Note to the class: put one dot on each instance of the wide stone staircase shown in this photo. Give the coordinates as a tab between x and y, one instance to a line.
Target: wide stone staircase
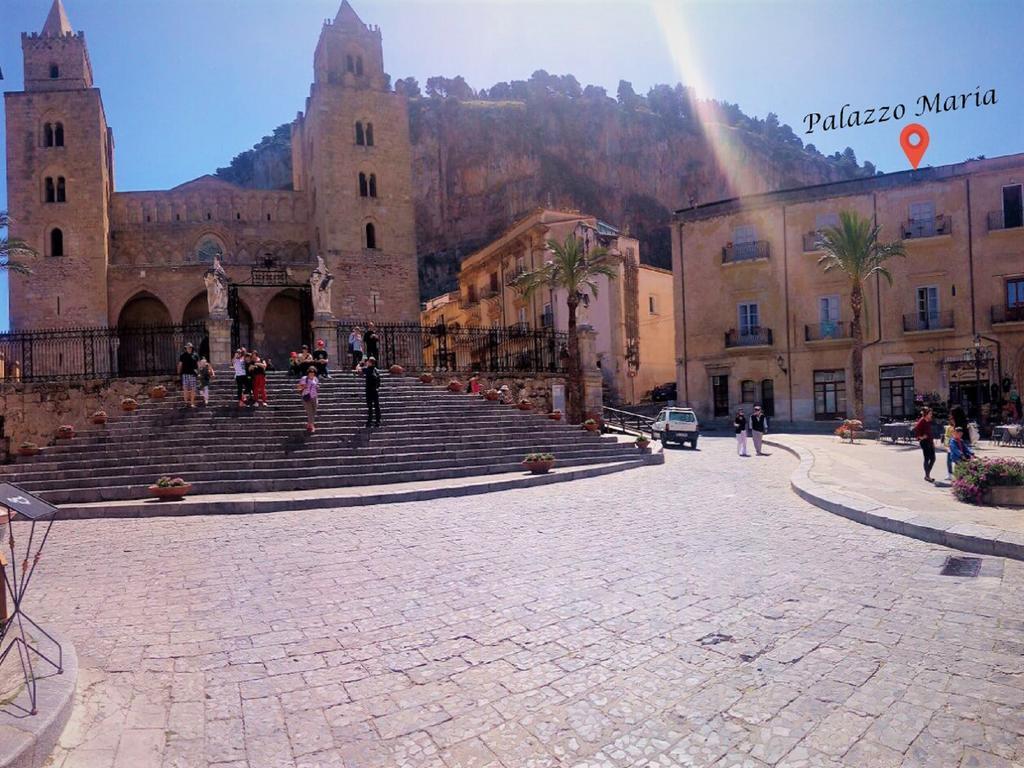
427	434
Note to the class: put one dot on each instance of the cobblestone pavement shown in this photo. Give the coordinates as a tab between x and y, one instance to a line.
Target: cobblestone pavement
695	614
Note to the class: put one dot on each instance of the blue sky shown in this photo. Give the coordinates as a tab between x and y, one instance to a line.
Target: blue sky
187	84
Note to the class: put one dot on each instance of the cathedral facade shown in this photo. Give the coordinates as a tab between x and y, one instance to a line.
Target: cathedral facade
109	258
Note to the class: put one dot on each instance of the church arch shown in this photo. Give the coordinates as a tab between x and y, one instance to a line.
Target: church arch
144	308
283	330
197	310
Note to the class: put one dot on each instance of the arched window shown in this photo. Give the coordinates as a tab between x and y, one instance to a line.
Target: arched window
359	66
54	71
371	237
369	134
364	190
208	247
350	63
360	137
373	185
56	242
58	135
51	190
48	135
748	391
61	191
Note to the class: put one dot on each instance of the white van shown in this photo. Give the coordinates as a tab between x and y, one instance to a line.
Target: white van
676	425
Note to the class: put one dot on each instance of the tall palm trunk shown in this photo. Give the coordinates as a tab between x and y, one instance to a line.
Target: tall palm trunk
857	362
574	374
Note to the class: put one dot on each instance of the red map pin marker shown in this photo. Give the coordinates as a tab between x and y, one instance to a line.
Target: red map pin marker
914	151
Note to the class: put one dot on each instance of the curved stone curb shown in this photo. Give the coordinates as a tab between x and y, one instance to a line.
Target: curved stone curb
969	537
26	741
299	501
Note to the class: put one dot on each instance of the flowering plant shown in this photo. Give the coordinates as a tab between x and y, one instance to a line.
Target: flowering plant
531	457
170	482
849	428
973	478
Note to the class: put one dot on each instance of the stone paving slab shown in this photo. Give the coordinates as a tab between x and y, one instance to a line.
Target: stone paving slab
857	484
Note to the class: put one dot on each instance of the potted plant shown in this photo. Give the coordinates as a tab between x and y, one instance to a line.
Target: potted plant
158	392
426	378
492	395
168	487
64	432
456	386
849	429
997	481
129	404
555	415
99	417
591	426
642	442
396	370
28	449
539	463
524	405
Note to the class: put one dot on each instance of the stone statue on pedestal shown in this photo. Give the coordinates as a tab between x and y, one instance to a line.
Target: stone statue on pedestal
320	281
216	280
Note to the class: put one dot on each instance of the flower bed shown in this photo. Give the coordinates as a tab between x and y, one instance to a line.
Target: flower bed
974	480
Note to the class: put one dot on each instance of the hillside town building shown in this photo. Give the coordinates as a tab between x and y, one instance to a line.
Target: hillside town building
631	315
265	268
759	321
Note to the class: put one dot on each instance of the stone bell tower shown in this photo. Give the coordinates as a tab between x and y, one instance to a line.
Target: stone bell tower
59	181
352	156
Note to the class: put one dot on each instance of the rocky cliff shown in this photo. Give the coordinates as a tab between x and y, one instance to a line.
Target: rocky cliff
482	160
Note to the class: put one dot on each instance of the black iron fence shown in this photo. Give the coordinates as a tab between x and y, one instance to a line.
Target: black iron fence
827	331
749	337
758	249
516	349
928	321
74	354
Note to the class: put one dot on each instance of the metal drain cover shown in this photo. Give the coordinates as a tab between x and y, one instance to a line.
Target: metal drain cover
961	566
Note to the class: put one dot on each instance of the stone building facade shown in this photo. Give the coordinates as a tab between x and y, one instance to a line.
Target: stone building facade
631	316
759	321
130	258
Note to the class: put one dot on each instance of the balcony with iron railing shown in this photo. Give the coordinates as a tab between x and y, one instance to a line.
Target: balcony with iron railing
750	337
919	322
757	250
1000	220
917	229
514	274
1004	314
812	241
469	300
835	331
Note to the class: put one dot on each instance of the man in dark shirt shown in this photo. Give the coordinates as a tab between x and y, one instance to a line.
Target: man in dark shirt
372	392
188	364
371	341
758	426
320	359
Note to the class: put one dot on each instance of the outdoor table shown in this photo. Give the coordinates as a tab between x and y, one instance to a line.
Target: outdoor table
1008	434
897	430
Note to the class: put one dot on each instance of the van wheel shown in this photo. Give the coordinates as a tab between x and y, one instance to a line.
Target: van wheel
693	444
664	440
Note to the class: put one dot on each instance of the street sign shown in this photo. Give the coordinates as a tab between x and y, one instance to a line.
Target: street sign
23	503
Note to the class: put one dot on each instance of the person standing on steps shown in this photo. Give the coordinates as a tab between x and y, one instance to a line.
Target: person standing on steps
372	392
258	374
309	388
241	375
758	426
740	424
371	342
188	365
923	435
204	376
320	359
355	346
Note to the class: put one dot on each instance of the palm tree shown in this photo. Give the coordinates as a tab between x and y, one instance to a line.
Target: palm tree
575	270
853	247
12	249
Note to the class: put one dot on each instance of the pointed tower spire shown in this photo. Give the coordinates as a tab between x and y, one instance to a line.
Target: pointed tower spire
346	15
57	24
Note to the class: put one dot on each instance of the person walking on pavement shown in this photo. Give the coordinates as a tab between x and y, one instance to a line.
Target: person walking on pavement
758	426
188	366
371	342
923	435
372	392
740	423
309	388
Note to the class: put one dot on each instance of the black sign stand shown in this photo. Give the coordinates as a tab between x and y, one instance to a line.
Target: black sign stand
17	505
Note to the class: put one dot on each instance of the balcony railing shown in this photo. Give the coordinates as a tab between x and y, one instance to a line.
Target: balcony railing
745	251
469	300
916	322
1004	314
827	331
915	229
753	337
812	242
515	274
1005	220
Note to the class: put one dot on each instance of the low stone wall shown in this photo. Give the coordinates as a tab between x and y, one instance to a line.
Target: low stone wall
536	388
32	412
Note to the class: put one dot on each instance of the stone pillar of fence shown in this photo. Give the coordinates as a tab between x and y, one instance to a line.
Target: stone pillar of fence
219	329
593	393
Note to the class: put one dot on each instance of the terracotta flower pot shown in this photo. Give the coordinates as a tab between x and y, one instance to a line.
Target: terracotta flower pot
525	405
64	432
491	394
100	417
456	386
170	492
642	444
129	405
426	378
592	426
555	415
158	392
540	467
29	449
396	370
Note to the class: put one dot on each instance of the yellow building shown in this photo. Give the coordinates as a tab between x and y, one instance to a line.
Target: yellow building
631	315
758	320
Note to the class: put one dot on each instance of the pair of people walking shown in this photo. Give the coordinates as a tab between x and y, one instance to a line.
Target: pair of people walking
755	428
250	377
959	448
309	390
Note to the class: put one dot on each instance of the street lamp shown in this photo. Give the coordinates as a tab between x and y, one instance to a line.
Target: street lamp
978	354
